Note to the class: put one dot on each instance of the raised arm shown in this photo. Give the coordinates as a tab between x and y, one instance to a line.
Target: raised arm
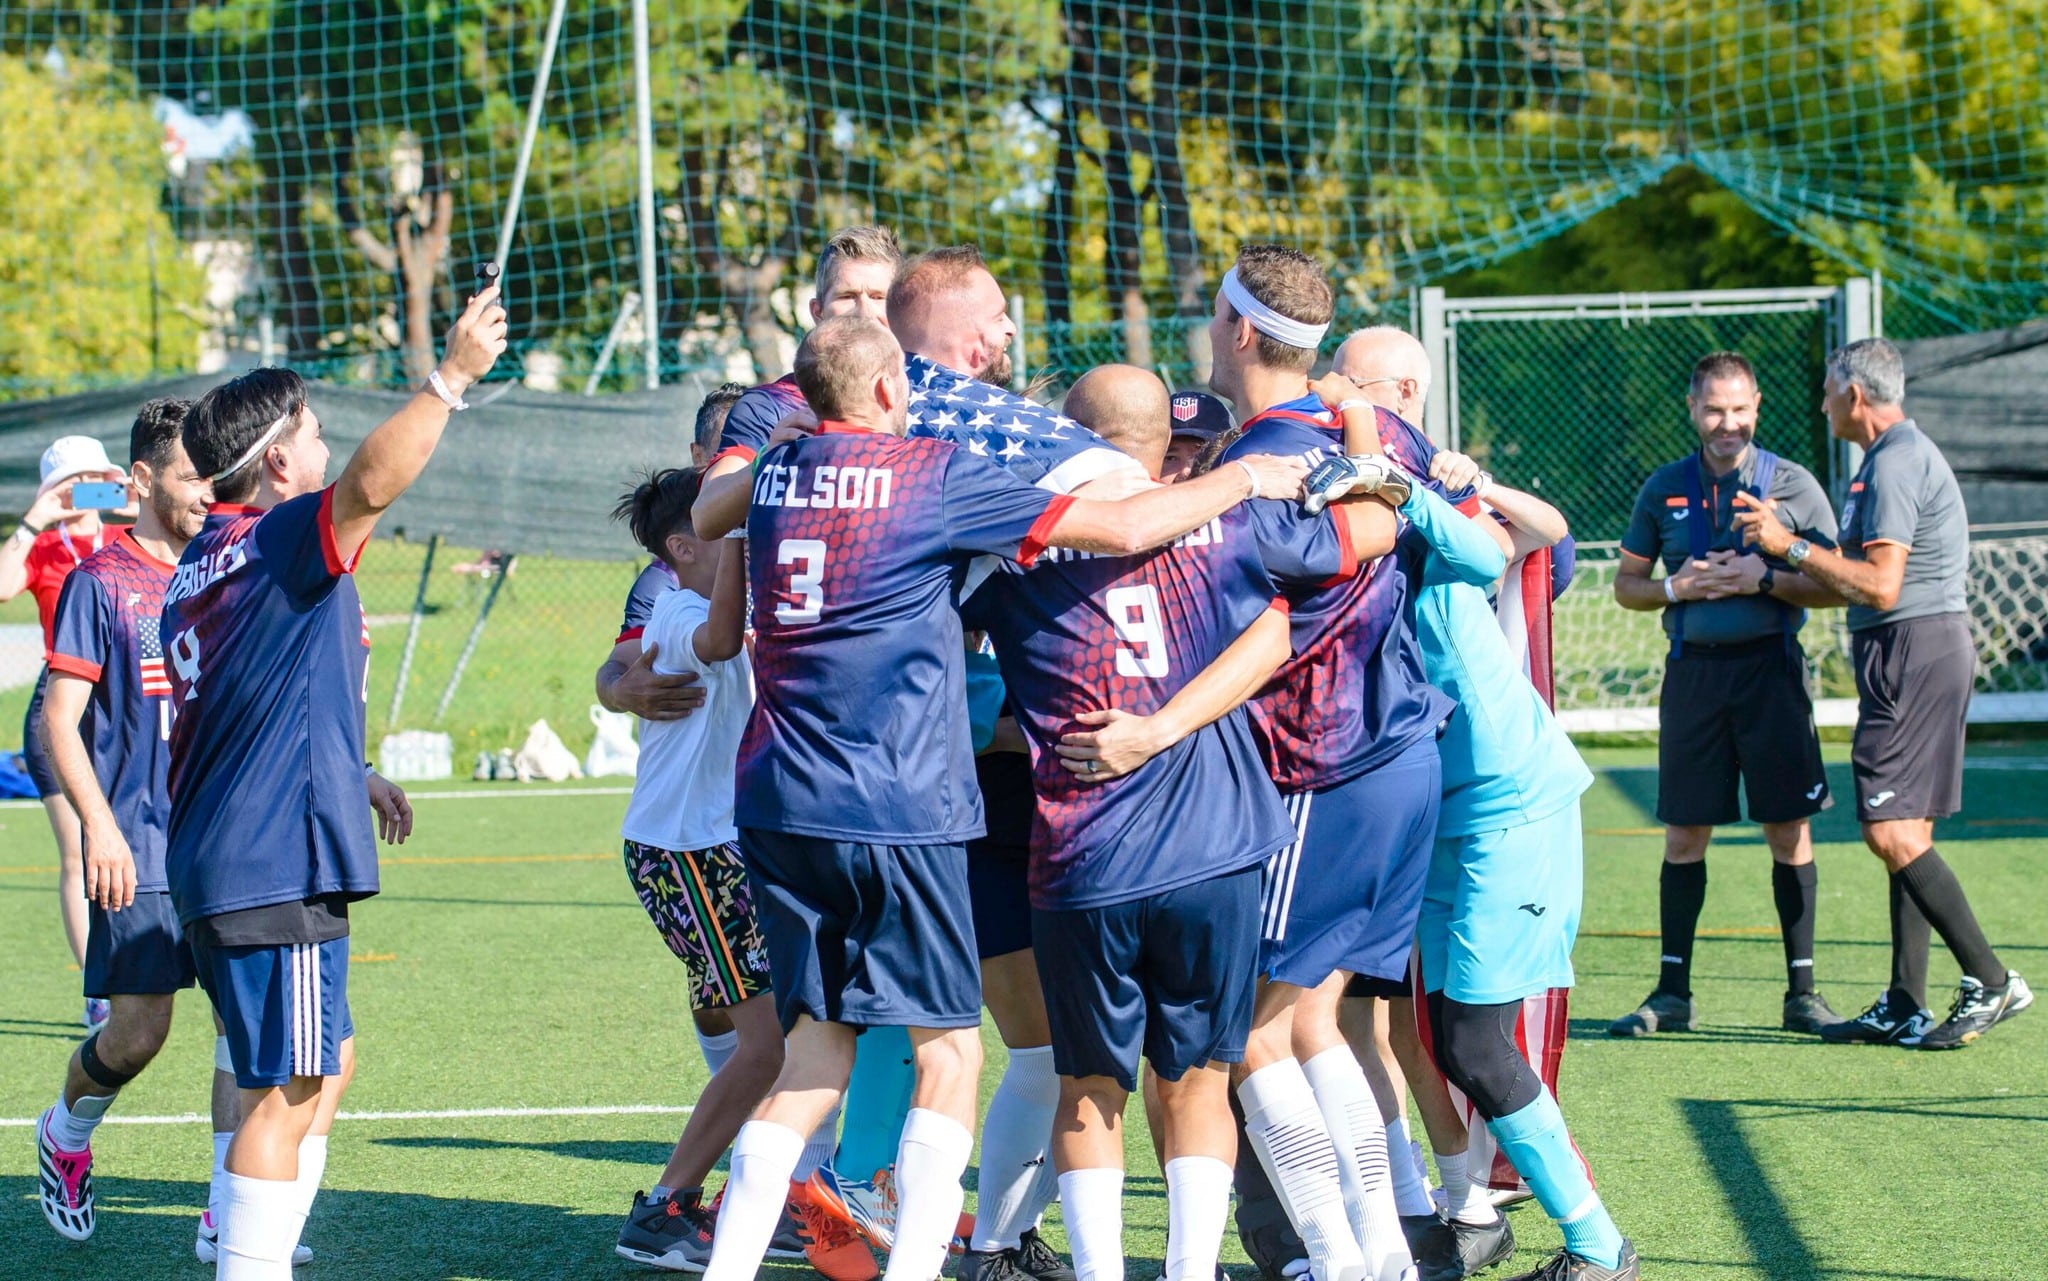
1121	741
392	457
722	500
1158	516
109	863
722	635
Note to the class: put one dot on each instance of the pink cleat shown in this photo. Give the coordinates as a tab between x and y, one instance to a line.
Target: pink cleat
65	1185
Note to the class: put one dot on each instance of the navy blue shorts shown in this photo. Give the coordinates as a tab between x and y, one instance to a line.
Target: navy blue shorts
1346	894
137	951
866	935
284	1005
1171	975
999	883
40	771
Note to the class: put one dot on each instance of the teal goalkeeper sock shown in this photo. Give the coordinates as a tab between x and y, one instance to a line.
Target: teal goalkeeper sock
877	1100
1536	1140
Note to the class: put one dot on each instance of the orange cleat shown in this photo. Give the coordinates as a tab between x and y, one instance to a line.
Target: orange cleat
832	1244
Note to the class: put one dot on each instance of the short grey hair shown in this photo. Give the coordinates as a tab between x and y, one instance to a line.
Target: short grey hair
1410	358
1874	365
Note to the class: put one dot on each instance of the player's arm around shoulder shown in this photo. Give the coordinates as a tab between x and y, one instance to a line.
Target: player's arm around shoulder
392	457
1158	516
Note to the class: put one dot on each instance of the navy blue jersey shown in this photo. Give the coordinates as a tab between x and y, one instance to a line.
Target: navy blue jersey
1352	696
269	658
108	632
1078	633
858	544
648	588
754	416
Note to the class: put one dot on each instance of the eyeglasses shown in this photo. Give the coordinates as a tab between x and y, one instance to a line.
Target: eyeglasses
1384	378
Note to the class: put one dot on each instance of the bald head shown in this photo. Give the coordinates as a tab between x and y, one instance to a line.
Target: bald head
850	370
1126	406
1390	365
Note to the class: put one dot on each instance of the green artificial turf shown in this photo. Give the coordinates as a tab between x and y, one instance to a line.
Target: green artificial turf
508	966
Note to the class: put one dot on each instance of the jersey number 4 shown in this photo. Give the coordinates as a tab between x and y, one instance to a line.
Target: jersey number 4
1140	626
806	579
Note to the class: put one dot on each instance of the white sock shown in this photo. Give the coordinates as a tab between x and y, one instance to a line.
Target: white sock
262	1225
930	1158
818	1149
763	1156
1293	1144
217	1187
718	1049
1411	1189
312	1165
1197	1206
1464	1200
71	1128
1092	1201
1016	1143
1345	1099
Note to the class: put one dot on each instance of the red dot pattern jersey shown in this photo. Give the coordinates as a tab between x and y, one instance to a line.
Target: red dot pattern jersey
109	633
1353	695
269	657
858	544
754	416
1078	633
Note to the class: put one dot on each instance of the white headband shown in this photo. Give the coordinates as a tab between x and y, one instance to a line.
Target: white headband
1271	323
249	455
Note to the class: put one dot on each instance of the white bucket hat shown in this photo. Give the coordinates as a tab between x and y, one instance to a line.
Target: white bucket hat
70	456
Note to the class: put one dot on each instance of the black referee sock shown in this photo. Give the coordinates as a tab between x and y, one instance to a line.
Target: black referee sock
1909	943
1681	892
1793	888
1940	898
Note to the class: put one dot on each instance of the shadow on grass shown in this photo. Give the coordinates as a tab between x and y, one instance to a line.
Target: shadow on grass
1708	1034
625	1151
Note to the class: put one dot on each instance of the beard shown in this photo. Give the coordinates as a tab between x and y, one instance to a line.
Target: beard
996	373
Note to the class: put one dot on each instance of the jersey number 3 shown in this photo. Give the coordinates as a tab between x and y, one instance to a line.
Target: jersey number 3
1140	626
806	579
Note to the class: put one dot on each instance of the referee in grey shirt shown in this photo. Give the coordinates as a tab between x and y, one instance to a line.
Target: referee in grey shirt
1734	704
1901	570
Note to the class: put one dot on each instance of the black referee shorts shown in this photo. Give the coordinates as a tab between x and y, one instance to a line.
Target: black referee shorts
1738	713
1913	682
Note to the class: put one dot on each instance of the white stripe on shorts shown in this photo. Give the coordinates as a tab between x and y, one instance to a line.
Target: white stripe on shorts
305	1014
1282	869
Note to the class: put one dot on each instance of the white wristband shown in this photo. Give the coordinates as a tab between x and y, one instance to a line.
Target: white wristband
1346	406
1250	475
1670	592
455	403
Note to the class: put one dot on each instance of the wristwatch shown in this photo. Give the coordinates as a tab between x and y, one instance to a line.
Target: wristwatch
1798	551
1768	581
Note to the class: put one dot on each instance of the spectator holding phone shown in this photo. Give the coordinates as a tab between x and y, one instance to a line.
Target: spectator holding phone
52	538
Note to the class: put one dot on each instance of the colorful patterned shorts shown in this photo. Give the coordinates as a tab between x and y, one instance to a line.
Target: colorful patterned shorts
704	908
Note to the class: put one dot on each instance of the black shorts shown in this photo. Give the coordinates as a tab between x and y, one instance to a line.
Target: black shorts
1913	682
137	951
1170	975
1366	987
999	884
40	770
866	935
1738	713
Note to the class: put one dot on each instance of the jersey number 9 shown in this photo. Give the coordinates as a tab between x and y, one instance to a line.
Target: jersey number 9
185	658
1135	614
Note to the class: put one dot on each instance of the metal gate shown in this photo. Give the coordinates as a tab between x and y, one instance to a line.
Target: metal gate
1579	397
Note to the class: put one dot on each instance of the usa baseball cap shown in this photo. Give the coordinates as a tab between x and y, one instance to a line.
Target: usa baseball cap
1200	414
70	456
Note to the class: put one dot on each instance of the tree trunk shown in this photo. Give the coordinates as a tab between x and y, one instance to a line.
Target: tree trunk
1123	267
1055	273
1191	298
421	250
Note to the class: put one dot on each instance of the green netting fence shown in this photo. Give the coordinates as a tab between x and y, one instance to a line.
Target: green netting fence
191	183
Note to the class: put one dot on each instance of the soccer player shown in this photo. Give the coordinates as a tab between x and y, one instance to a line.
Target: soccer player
107	720
51	540
856	789
1147	934
1902	570
1734	702
269	839
1348	731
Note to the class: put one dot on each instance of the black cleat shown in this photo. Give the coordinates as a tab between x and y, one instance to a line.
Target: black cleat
1808	1012
1429	1239
991	1265
1659	1012
1892	1019
1977	1010
1566	1266
1038	1260
1468	1249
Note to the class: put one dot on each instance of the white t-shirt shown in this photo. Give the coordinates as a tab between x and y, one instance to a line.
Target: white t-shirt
682	797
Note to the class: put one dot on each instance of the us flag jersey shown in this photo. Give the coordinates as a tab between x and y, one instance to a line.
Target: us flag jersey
268	654
107	632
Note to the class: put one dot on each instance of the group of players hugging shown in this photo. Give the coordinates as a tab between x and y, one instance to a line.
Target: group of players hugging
1183	737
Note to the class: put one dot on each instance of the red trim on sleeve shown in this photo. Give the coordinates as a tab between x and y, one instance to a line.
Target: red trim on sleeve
1041	529
740	452
78	667
1281	606
330	551
631	633
1471	506
1347	568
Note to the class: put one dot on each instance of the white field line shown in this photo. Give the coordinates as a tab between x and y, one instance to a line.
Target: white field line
450	1114
478	795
